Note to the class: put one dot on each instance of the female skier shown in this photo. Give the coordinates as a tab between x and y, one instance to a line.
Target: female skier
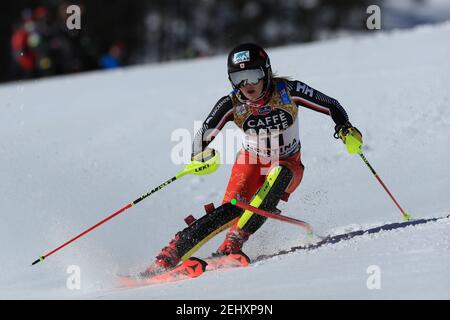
268	167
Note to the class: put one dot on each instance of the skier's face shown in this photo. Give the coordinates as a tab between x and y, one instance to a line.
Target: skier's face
252	91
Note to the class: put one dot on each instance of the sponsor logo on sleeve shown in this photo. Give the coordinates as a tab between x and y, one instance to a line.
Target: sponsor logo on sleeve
303	88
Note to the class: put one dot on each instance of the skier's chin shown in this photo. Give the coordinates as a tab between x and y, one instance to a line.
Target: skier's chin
251	94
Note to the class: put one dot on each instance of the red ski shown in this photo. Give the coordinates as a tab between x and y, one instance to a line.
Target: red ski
233	260
191	268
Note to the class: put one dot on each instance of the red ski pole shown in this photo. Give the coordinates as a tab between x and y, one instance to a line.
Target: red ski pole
406	215
354	145
271	215
210	163
128	206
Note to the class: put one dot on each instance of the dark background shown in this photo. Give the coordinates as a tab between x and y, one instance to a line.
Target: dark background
117	33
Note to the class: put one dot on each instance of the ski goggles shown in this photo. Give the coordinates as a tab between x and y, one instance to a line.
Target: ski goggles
251	76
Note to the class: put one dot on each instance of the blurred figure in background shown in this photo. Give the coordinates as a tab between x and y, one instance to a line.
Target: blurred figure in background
78	52
36	48
114	57
21	46
42	45
40	41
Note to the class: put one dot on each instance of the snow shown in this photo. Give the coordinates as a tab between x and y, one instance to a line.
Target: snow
75	149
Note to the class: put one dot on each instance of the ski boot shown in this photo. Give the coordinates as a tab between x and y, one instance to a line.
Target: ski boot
234	240
166	260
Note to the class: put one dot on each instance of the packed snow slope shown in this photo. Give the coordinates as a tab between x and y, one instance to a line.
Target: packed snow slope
75	149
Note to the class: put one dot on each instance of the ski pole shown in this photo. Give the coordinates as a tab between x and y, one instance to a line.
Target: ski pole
406	215
209	165
355	146
271	215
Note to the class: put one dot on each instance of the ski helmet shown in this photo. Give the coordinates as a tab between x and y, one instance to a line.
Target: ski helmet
249	62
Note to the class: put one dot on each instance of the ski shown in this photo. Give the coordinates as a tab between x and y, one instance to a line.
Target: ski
232	260
190	268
